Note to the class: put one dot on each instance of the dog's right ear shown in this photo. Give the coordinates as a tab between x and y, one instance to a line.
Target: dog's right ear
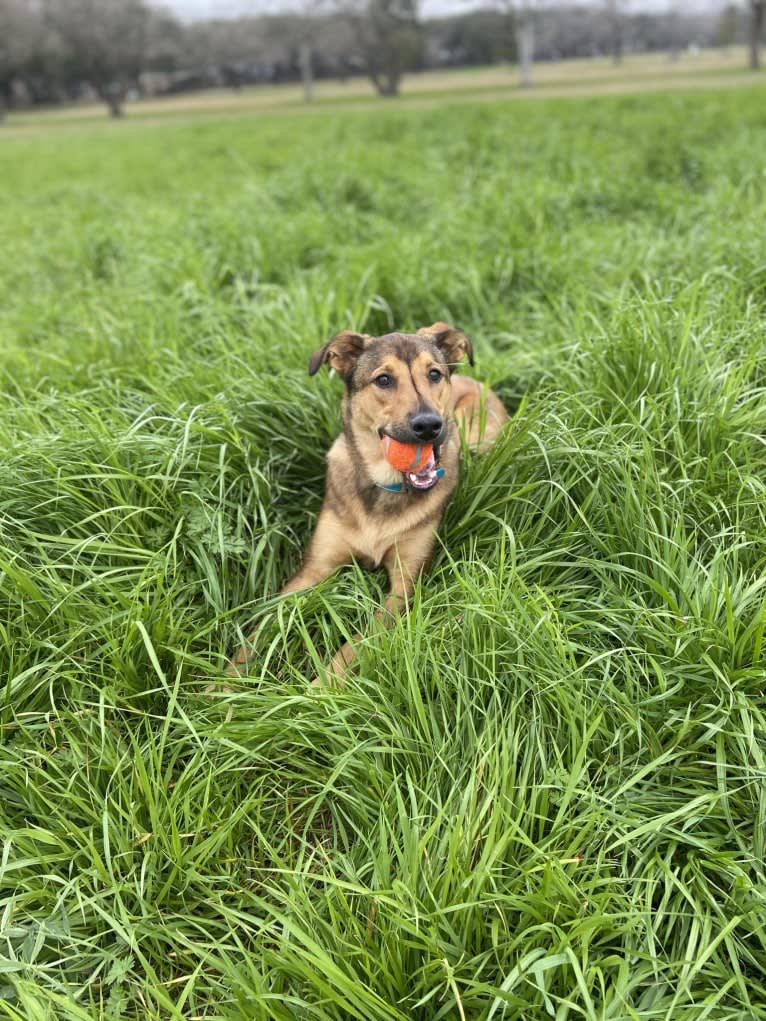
340	352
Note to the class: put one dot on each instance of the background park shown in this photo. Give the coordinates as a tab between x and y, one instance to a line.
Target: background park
543	794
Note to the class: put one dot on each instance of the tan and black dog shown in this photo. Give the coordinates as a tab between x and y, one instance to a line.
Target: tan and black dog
400	385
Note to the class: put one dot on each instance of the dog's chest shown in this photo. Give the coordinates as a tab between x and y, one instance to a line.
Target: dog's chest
371	527
374	536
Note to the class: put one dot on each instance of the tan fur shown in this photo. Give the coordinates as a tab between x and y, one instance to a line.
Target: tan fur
358	520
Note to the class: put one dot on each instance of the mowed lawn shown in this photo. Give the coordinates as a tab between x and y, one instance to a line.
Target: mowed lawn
543	795
711	68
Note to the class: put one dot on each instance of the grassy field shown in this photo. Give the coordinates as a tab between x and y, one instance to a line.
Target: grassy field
544	793
637	73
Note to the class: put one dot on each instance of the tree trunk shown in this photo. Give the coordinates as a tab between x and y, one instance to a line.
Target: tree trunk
307	71
525	44
113	95
387	83
757	10
615	19
391	86
617	48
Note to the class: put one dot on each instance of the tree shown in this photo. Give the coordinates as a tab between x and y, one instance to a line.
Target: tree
224	47
757	11
388	36
614	10
309	14
104	43
165	41
728	25
299	27
525	43
478	37
20	29
522	15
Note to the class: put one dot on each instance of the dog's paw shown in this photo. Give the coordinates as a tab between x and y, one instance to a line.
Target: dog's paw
218	689
325	683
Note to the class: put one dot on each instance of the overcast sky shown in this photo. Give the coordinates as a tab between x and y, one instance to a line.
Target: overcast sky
192	9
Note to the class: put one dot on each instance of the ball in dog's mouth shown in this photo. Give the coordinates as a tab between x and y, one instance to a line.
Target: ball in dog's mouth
418	462
405	457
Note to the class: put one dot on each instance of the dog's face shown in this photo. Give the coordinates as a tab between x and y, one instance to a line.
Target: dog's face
398	384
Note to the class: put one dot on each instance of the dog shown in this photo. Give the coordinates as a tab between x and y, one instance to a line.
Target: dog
399	385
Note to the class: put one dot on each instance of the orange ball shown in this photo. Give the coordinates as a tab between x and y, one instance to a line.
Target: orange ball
406	457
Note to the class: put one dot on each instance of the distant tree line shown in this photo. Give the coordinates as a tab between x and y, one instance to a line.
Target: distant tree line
62	50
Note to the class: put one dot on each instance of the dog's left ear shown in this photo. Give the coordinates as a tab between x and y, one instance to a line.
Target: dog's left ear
452	343
340	352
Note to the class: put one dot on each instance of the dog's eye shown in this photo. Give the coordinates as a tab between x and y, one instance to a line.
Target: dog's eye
434	375
383	380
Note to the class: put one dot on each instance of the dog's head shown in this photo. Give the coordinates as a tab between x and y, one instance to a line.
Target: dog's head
398	384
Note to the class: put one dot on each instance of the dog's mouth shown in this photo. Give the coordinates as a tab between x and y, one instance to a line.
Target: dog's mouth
427	475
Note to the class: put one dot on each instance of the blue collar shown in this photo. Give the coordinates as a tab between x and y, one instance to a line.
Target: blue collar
398	487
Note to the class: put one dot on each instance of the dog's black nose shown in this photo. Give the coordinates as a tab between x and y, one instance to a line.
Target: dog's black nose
426	425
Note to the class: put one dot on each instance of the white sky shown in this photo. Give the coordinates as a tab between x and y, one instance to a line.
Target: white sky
193	9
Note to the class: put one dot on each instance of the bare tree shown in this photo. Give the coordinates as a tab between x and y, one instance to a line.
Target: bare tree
224	46
104	43
303	30
165	41
616	29
20	29
522	14
757	11
388	36
525	42
727	28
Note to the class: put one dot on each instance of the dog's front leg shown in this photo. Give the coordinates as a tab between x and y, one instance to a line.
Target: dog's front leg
405	561
327	551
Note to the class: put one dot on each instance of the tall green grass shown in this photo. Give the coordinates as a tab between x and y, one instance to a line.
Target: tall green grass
544	793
